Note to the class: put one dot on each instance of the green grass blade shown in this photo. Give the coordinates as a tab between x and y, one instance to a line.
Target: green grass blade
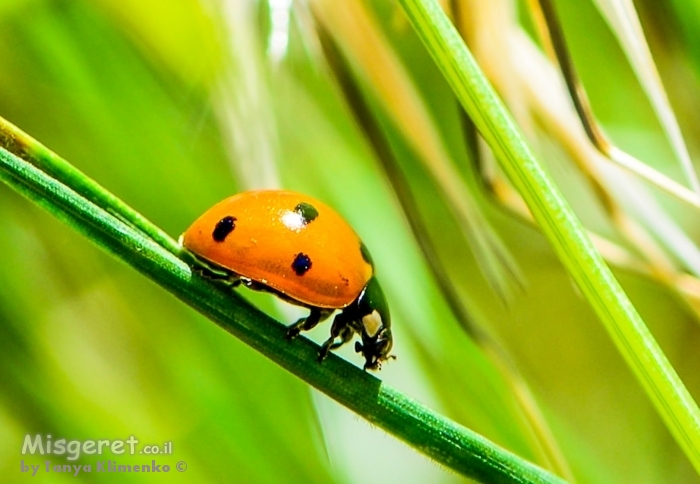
437	437
558	222
24	146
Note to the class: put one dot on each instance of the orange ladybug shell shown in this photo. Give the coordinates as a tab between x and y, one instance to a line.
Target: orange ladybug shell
287	241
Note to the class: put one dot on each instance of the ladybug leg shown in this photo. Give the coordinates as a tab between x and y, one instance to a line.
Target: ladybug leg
341	328
210	271
305	324
345	336
221	277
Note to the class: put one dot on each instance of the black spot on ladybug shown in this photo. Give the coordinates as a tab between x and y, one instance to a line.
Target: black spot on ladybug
301	264
223	228
307	211
345	280
366	255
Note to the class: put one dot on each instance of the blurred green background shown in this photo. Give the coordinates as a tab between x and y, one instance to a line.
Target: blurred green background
173	106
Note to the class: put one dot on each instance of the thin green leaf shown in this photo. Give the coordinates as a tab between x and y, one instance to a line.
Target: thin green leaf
27	148
537	426
559	224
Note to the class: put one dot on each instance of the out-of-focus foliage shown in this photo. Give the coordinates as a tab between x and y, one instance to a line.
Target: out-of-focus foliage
175	105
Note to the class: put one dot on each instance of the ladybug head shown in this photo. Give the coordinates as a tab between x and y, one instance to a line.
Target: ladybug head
375	326
375	348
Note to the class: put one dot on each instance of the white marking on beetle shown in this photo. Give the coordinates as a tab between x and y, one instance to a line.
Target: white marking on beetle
293	221
372	323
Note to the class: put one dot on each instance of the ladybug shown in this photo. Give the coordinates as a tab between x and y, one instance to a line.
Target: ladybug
301	250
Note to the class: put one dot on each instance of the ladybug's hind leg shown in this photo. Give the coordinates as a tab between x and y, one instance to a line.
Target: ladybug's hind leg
210	271
220	277
305	324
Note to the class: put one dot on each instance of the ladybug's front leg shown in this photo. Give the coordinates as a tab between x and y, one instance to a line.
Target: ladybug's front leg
341	328
305	324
